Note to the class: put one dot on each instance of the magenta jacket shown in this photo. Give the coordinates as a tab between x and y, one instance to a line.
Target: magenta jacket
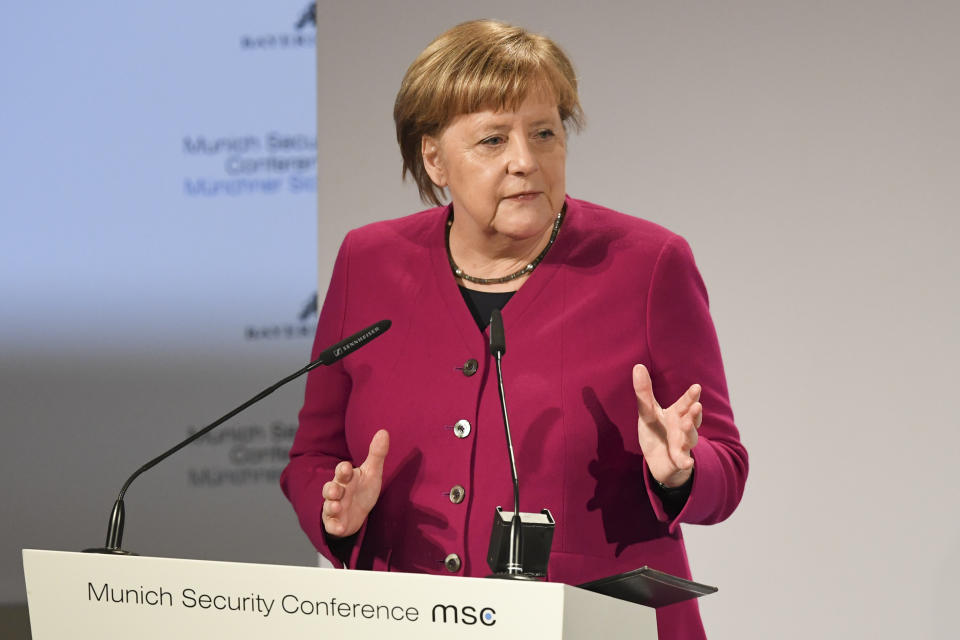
613	291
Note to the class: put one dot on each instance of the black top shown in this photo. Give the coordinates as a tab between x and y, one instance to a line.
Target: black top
482	303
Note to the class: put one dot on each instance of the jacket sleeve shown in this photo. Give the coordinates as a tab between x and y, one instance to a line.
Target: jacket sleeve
320	442
684	350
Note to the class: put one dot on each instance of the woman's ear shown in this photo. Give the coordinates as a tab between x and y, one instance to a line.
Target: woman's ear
433	160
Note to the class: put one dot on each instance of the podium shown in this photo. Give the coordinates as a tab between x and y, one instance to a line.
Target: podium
79	595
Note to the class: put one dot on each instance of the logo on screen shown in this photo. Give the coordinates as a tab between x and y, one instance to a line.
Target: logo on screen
304	327
309	17
309	309
302	37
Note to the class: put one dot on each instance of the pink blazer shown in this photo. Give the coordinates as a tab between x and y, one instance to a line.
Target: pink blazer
613	291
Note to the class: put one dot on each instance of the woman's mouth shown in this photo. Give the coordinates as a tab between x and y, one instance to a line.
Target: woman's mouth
524	195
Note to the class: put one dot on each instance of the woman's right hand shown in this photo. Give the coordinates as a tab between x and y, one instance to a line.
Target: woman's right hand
350	496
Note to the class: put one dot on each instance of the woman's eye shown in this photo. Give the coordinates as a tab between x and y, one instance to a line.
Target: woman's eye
492	140
544	134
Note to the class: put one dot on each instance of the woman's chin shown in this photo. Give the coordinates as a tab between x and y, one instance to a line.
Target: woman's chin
522	222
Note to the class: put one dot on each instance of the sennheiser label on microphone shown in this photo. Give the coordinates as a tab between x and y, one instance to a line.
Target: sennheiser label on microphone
340	350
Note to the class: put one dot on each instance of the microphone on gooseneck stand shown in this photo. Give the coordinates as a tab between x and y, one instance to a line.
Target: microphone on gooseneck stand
498	347
528	536
327	357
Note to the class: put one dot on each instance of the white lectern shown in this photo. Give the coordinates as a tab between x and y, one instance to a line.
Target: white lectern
82	595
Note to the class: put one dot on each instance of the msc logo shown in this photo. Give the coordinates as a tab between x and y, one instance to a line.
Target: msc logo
449	613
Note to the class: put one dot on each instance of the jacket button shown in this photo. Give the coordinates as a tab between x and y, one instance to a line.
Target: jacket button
470	367
452	563
457	493
462	428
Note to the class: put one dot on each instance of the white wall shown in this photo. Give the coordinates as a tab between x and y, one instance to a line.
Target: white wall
809	153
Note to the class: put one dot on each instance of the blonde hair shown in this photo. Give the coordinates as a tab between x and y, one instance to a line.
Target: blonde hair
477	65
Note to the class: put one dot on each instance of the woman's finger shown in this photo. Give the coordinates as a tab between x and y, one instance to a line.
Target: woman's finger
681	441
696	414
687	400
681	458
692	437
332	491
379	447
343	474
333	526
643	387
332	508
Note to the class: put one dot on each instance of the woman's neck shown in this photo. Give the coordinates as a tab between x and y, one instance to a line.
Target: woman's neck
489	255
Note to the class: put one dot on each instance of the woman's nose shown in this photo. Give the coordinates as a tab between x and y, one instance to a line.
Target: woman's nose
520	157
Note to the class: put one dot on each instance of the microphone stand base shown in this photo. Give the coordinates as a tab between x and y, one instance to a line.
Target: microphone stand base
109	551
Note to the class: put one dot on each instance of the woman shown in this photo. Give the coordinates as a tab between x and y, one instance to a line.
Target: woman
606	318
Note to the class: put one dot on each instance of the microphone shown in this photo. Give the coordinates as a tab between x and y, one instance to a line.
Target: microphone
327	357
539	527
348	345
498	344
498	347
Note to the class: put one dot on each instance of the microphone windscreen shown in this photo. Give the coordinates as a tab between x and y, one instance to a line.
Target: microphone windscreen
498	343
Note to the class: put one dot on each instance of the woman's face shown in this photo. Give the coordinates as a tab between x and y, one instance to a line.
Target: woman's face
505	169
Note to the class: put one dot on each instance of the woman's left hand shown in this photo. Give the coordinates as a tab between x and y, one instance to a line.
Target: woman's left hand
667	435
